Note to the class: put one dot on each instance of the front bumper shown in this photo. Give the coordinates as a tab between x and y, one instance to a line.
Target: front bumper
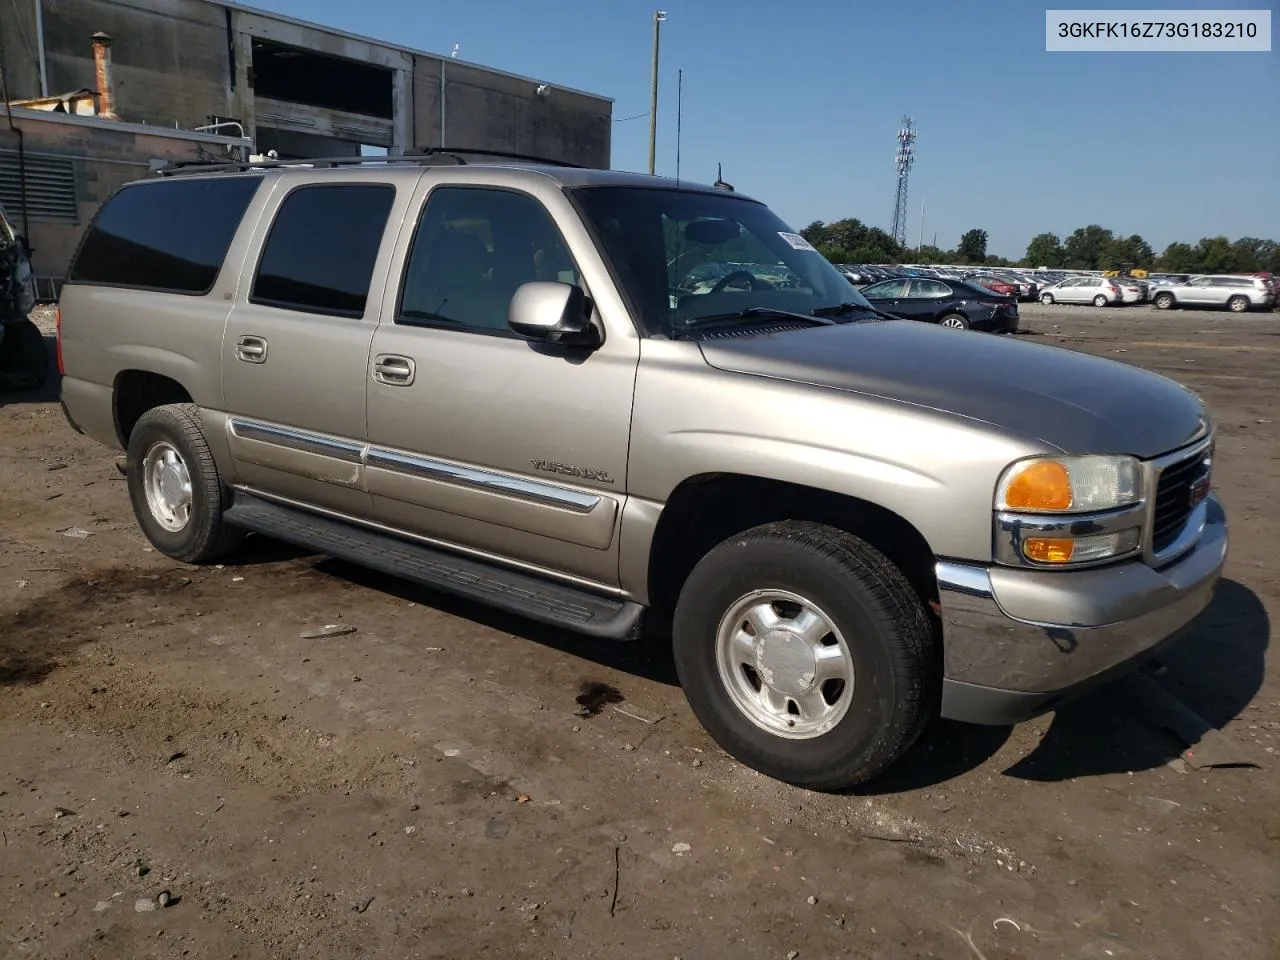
1018	643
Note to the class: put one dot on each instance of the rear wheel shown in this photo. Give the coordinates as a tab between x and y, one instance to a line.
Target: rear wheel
1238	304
955	321
1100	301
24	360
177	494
805	654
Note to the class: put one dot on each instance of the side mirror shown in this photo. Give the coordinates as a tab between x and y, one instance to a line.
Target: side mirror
553	313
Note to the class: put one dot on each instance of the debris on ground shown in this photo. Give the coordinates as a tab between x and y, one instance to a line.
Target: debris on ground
328	630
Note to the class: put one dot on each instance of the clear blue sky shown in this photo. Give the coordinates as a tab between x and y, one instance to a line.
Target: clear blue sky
801	102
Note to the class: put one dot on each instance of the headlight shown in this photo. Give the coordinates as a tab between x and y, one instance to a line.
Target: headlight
1069	484
1068	511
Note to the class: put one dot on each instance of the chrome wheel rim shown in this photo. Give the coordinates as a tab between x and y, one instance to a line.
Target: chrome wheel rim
1047	299
955	323
1099	301
1238	304
167	484
784	664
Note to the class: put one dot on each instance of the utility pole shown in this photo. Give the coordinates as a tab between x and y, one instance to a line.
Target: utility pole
658	17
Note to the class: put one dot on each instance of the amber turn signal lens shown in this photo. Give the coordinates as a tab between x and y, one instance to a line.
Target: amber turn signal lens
1045	485
1049	549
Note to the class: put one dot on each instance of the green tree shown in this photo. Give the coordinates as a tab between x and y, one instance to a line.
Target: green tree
852	241
1045	250
973	246
1215	255
1085	247
1132	249
1177	258
1253	254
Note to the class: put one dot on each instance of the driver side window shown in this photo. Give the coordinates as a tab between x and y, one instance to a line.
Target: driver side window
472	249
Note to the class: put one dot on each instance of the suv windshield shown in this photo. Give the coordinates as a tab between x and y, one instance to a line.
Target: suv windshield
685	256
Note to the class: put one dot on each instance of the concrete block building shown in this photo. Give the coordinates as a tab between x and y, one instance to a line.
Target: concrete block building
97	91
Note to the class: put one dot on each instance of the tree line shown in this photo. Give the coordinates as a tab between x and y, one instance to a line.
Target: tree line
1089	248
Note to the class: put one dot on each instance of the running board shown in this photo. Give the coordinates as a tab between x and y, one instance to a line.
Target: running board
513	591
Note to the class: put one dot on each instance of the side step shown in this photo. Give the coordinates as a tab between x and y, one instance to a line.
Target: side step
521	593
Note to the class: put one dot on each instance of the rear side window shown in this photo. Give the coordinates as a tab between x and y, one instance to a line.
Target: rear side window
168	235
320	252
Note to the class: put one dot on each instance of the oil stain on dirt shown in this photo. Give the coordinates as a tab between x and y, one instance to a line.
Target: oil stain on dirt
37	637
593	696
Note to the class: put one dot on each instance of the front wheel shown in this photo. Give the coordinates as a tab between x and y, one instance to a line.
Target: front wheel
1046	299
1163	301
1100	301
177	494
806	654
1238	304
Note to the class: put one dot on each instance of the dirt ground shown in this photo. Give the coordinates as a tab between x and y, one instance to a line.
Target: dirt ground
430	785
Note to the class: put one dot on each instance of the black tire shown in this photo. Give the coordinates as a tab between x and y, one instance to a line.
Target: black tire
205	537
957	322
1238	304
886	630
1164	301
1046	299
24	359
1100	301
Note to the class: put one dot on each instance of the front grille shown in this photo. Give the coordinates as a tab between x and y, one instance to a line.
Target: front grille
1173	499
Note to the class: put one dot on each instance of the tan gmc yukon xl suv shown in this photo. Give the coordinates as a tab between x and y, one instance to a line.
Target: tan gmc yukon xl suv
602	400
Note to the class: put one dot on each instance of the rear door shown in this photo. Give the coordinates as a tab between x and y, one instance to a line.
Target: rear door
296	346
925	300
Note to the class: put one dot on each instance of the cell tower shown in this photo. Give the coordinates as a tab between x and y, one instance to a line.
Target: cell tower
905	158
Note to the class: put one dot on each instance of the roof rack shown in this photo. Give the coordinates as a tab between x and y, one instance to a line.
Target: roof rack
421	155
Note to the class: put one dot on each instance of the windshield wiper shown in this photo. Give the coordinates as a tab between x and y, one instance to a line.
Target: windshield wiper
752	313
849	307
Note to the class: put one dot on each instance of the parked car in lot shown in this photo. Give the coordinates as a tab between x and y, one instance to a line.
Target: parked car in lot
486	378
1100	291
948	303
1005	288
1133	290
1237	294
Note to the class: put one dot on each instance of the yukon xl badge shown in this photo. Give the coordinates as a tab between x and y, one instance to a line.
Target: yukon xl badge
587	473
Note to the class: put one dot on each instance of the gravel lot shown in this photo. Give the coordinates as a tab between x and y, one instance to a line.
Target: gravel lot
430	785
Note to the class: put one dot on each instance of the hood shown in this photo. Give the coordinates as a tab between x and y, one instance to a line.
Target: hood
1075	402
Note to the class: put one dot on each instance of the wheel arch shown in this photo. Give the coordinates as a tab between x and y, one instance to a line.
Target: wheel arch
135	391
706	509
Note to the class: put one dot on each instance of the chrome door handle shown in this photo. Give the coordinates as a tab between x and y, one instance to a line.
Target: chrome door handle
393	370
251	349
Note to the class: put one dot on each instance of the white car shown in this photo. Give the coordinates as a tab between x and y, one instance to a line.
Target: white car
1100	291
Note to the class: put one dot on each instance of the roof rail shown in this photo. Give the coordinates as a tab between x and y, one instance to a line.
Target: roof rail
421	155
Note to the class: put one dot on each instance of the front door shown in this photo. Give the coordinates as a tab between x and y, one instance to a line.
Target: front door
296	346
1199	290
477	437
